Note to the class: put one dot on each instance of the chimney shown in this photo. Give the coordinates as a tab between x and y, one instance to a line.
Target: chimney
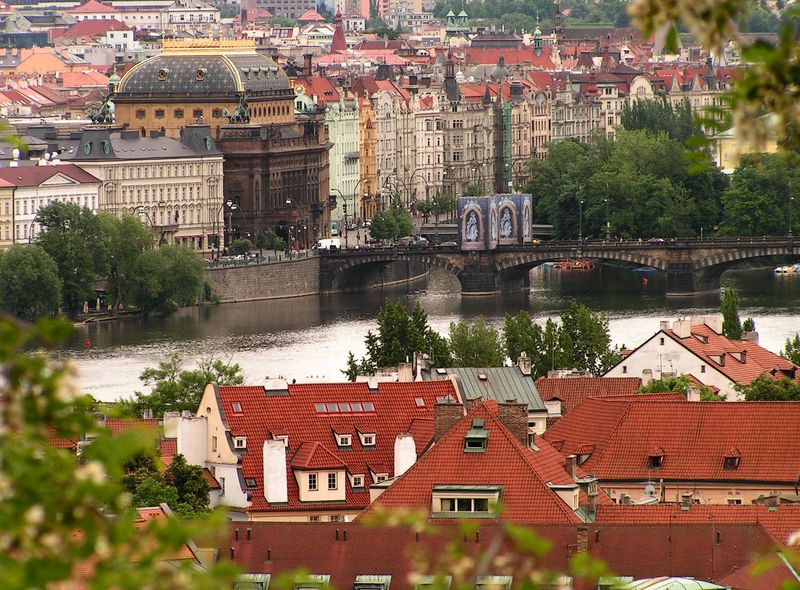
307	64
571	464
405	454
524	364
582	538
405	373
275	490
412	80
147	414
686	500
446	414
514	416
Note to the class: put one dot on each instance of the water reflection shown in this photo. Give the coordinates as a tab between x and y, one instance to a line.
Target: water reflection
308	338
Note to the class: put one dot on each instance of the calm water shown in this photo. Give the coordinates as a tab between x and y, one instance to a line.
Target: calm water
308	338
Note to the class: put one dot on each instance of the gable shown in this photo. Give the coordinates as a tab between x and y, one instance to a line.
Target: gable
59	179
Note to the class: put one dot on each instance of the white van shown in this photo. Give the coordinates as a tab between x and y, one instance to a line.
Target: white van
329	244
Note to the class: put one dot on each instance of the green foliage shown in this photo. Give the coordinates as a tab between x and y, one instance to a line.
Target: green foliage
384	32
758	200
29	284
240	247
729	307
58	515
170	277
269	240
792	349
683	385
400	335
443	205
767	388
659	116
476	345
174	389
749	325
72	236
126	238
640	182
182	487
581	341
473	190
392	224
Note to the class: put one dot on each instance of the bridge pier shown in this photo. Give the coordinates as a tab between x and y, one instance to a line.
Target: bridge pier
479	276
683	281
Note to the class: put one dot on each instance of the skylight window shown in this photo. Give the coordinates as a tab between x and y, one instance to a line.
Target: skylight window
344	407
237	407
441	371
333	408
357	407
369	407
250	482
420	402
320	408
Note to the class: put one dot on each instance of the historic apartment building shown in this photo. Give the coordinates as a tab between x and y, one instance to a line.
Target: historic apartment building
275	162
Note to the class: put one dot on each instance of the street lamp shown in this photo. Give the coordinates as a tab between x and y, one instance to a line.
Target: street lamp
791	208
580	220
232	206
289	201
608	221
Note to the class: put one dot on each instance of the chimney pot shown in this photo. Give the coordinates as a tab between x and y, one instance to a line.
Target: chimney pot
514	416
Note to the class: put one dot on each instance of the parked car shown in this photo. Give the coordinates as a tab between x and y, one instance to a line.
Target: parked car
420	243
447	245
405	241
656	240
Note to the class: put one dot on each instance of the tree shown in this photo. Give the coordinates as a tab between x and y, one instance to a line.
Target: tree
170	277
73	238
240	247
768	388
659	116
683	385
29	284
126	239
587	332
731	326
269	240
190	483
392	224
443	205
174	389
76	526
476	345
792	349
400	335
581	341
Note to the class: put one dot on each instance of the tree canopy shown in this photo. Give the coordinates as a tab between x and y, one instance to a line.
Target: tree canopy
791	350
659	116
169	277
475	345
729	307
767	388
681	384
29	283
392	224
174	389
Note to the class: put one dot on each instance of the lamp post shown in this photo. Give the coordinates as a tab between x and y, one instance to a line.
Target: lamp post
580	221
608	221
232	206
791	211
289	201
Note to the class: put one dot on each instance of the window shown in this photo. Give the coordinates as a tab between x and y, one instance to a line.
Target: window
420	403
731	463
178	113
702	368
312	482
216	113
250	482
734	501
159	113
655	461
213	443
624	368
332	481
237	407
344	440
337	518
456	500
140	113
314	518
197	113
661	341
457	156
240	442
381	477
358	481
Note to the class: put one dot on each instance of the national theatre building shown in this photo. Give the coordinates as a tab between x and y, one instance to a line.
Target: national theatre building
275	164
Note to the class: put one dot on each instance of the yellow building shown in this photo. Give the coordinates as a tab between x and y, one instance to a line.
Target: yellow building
367	157
6	214
729	146
199	80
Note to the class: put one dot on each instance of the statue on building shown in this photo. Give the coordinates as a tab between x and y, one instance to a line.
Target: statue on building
505	224
242	113
471	234
104	115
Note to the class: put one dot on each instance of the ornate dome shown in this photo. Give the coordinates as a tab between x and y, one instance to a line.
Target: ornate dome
213	67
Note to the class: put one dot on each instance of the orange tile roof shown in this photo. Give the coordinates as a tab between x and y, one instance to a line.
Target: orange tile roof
118	426
523	474
706	344
571	391
168	448
695	438
387	412
781	522
315	456
91	7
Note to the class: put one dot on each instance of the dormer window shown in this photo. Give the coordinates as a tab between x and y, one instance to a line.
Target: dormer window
282	437
731	459
655	461
357	481
367	439
476	438
240	442
344	440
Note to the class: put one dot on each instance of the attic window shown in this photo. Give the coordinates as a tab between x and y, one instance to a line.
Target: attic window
419	402
333	408
441	371
240	442
482	376
372	582
476	437
431	582
369	407
357	481
250	482
320	408
493	583
344	440
357	407
731	463
237	407
367	439
655	461
282	437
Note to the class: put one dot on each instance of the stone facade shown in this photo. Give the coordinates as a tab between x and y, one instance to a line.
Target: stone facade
291	278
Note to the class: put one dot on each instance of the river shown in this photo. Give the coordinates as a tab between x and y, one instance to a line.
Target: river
308	338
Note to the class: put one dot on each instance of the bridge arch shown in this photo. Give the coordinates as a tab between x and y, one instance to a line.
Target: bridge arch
354	271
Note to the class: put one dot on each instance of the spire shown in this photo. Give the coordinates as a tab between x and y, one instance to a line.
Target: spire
557	29
338	44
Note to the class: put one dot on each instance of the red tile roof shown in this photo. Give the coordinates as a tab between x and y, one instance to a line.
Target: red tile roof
781	521
118	426
769	572
523	474
168	448
58	442
94	28
387	413
91	7
695	438
705	343
36	175
315	456
571	391
212	481
346	550
311	15
490	56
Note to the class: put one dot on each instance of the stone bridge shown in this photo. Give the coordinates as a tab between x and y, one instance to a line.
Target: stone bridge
691	265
